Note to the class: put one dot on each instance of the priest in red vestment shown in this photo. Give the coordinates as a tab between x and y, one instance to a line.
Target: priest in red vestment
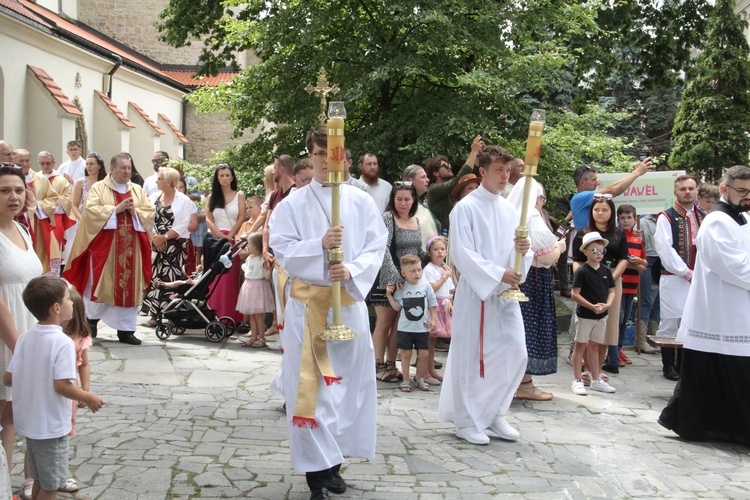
110	262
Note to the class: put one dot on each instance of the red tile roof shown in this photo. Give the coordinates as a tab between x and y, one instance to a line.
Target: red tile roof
189	78
115	110
55	90
172	126
148	119
19	9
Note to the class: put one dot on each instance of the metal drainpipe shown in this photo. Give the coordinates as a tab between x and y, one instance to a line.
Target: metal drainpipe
118	63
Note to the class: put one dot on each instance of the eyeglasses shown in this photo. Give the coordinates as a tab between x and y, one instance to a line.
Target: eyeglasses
742	192
597	251
155	161
45	163
606	196
400	184
10	164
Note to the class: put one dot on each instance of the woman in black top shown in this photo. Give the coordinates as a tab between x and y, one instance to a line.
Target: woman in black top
602	217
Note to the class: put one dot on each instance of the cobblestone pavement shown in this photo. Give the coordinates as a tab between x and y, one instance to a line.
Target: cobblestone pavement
187	418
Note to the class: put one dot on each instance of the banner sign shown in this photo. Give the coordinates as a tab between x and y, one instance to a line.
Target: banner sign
649	194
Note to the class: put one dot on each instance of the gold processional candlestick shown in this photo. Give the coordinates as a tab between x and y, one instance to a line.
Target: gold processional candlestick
533	152
336	164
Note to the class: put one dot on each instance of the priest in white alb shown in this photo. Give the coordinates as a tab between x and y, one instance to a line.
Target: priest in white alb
710	401
487	358
329	387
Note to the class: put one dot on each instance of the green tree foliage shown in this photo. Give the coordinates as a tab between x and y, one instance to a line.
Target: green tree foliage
422	78
712	124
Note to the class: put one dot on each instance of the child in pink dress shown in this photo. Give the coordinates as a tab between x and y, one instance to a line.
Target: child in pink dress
438	274
255	298
78	330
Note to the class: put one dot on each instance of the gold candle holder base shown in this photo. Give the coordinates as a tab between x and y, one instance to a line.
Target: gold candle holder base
337	332
514	294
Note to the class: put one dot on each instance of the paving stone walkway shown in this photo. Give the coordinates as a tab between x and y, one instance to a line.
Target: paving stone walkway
191	419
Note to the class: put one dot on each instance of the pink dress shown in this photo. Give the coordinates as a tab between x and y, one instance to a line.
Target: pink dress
430	274
82	343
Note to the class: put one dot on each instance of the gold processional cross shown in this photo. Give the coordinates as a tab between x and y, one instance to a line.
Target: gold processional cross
322	89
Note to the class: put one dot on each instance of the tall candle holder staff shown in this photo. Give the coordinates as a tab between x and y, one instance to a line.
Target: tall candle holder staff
336	157
531	162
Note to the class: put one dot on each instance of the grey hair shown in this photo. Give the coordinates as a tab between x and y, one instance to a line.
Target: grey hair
46	154
411	172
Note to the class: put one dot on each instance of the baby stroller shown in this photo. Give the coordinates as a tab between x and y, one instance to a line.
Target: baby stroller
190	309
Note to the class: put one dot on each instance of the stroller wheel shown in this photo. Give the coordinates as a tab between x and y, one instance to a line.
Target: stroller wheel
215	332
163	329
229	324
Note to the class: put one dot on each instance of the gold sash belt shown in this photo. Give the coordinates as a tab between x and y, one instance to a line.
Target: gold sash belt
314	361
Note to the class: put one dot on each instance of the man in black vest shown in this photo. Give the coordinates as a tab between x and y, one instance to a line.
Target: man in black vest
676	229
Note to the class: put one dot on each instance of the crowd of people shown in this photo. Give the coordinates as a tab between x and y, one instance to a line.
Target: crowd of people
429	251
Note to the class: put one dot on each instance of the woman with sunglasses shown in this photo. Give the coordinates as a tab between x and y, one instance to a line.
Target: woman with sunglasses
18	265
602	218
404	236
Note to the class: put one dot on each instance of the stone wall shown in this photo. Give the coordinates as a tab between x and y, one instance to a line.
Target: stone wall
133	23
209	134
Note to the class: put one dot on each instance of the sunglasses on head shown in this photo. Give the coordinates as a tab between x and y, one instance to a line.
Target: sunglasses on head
400	184
606	196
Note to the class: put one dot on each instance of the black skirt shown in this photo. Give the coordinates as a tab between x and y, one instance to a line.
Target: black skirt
711	401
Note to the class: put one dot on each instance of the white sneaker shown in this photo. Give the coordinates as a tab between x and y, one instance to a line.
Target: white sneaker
578	388
601	386
472	435
504	430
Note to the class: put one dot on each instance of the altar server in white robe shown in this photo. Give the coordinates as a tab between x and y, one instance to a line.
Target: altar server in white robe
487	358
333	414
710	401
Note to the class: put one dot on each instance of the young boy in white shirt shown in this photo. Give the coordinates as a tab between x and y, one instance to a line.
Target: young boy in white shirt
42	390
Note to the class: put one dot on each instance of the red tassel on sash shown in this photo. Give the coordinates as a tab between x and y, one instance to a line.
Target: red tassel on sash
332	380
481	343
304	423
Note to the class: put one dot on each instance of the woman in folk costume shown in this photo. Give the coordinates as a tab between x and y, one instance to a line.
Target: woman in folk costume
539	318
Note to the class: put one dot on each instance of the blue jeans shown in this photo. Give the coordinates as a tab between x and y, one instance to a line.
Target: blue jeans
626	311
649	294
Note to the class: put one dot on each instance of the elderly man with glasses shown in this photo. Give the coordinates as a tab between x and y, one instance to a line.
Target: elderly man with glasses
52	216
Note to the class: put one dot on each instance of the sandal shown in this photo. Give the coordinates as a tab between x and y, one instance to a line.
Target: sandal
150	323
26	487
405	387
532	393
391	367
421	384
383	374
432	380
70	486
255	344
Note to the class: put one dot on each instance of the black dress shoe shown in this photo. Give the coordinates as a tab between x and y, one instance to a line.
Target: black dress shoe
337	484
321	494
93	327
438	365
130	339
611	367
670	373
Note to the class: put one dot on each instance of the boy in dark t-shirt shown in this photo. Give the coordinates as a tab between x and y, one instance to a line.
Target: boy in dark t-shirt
594	292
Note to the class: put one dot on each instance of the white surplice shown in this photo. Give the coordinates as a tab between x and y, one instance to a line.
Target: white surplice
346	412
718	303
673	288
481	242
